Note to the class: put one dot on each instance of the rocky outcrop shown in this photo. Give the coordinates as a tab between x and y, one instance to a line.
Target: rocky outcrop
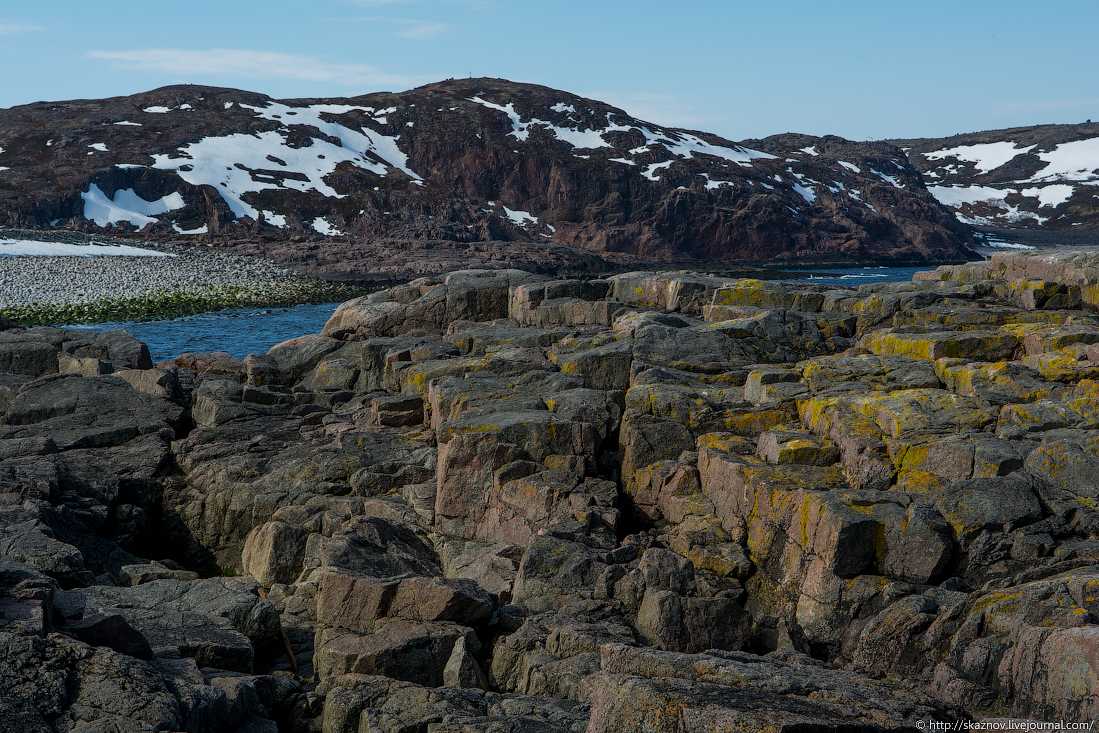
498	501
464	172
645	690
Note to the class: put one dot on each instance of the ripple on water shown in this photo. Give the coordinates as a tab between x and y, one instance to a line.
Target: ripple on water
854	276
238	331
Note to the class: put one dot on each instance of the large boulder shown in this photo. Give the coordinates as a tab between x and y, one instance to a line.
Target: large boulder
218	622
465	295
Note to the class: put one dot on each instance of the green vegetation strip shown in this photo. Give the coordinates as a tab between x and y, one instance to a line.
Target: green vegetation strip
175	303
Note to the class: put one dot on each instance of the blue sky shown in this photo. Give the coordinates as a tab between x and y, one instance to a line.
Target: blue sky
742	69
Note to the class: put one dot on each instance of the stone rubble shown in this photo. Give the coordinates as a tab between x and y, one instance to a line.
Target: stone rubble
36	280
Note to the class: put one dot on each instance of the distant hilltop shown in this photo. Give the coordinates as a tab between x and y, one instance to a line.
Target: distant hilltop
1040	177
480	160
469	160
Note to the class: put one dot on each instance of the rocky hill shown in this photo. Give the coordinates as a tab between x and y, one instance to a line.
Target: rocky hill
492	501
1044	177
471	160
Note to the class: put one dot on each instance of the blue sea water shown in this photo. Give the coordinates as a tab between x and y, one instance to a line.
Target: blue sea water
855	276
238	331
242	331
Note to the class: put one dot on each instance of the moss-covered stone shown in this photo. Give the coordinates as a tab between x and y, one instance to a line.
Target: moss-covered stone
975	345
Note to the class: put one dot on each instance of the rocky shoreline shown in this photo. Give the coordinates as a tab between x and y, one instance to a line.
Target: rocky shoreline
496	501
42	290
218	273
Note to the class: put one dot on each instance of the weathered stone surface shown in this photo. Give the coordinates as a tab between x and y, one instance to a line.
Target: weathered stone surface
148	572
972	345
866	371
88	366
273	551
466	295
500	502
1066	468
645	690
668	620
777	446
979	504
118	348
682	292
462	669
403	650
162	383
56	683
218	622
356	702
86	413
490	483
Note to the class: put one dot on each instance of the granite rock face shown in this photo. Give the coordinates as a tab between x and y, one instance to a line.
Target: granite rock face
500	502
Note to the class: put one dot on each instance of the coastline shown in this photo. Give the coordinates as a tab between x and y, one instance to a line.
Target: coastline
192	279
176	303
45	289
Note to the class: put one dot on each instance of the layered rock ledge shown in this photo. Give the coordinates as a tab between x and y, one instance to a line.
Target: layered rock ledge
495	501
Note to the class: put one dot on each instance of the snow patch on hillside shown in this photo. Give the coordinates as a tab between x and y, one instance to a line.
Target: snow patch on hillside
998	243
518	129
1074	161
803	187
158	110
365	142
678	143
958	196
1054	195
275	220
521	130
243	163
126	206
805	192
892	180
323	226
984	156
520	218
685	145
650	171
711	184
